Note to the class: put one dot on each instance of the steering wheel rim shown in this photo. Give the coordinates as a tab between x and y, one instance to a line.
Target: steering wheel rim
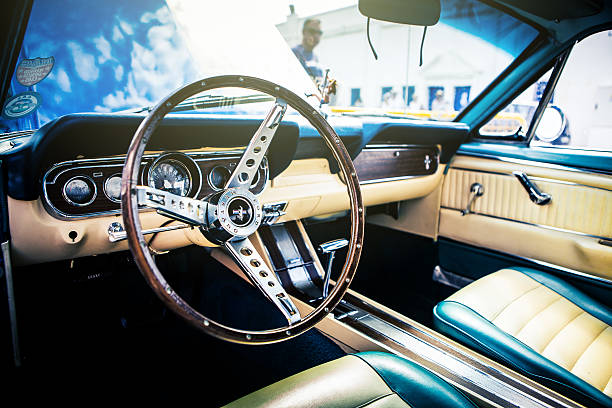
144	259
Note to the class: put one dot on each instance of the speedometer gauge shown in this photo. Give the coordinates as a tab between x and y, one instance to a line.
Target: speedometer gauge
171	176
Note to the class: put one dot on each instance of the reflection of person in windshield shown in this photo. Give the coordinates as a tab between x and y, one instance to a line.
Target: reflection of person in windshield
311	35
439	103
393	100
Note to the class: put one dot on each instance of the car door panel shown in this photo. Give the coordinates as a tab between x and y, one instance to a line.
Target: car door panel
566	232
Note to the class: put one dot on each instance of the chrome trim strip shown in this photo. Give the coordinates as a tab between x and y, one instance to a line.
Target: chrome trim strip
121	235
467	372
384	180
545	179
568	270
543	263
533	163
583	234
398	146
440	343
118	162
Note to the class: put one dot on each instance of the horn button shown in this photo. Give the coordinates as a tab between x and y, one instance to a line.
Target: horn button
240	212
234	213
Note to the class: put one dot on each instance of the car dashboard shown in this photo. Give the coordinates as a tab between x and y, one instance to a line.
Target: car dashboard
64	180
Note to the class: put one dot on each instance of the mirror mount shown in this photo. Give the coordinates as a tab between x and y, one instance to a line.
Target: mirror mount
413	12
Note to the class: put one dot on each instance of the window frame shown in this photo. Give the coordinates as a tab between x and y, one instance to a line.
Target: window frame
556	64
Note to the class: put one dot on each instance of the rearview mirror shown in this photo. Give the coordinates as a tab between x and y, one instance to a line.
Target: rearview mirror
414	12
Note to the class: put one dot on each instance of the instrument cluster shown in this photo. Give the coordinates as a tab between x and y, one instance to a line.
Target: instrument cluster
84	188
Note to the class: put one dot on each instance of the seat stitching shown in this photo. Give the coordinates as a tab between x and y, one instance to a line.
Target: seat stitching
514	300
536	315
560	294
511	363
561	329
587	347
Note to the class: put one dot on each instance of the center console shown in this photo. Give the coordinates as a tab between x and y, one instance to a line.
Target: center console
360	324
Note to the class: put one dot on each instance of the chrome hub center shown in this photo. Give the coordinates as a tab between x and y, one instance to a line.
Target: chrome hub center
233	213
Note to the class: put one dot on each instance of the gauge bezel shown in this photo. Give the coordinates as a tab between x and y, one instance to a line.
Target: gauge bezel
186	162
208	178
104	188
93	197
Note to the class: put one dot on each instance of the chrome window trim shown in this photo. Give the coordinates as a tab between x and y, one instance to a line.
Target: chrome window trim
533	163
583	234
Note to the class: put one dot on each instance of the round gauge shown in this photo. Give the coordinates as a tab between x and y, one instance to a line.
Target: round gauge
218	177
79	191
112	188
171	176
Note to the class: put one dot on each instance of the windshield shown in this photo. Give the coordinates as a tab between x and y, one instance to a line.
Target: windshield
115	56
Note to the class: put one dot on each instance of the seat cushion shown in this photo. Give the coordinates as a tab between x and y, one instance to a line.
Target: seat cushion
370	379
538	324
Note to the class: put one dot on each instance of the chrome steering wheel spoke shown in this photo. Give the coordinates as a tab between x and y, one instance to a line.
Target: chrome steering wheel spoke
189	210
262	277
249	163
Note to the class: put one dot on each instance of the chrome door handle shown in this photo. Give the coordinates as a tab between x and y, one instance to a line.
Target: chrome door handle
476	190
535	194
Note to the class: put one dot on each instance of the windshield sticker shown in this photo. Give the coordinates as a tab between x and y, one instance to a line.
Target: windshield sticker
32	71
21	105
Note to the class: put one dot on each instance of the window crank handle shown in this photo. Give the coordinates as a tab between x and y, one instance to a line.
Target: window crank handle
476	190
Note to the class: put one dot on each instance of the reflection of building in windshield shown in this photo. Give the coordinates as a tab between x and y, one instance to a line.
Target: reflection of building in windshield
457	63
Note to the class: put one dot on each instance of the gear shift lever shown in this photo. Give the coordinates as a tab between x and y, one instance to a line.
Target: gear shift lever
330	248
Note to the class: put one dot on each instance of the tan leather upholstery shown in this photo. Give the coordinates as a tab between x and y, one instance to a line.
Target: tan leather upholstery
346	382
545	321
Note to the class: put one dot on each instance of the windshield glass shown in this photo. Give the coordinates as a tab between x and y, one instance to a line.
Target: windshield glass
117	56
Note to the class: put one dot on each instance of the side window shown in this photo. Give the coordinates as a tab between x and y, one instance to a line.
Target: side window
582	101
579	113
515	118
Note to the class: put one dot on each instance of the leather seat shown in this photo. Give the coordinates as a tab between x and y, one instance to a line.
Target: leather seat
370	379
538	324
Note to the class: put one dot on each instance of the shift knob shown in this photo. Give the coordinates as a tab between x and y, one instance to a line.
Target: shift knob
330	247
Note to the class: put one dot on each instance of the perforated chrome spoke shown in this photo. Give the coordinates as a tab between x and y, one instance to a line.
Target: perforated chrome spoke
258	146
266	280
184	209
